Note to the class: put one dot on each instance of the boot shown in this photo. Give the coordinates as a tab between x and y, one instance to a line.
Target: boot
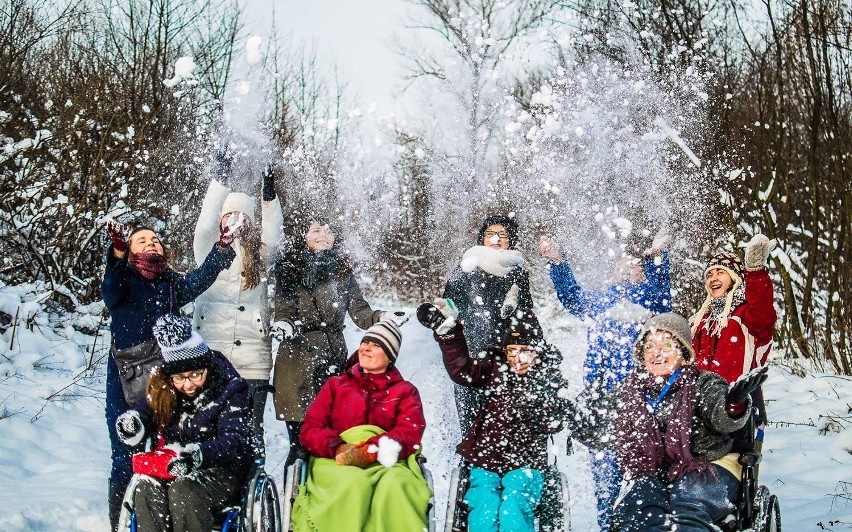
293	428
116	496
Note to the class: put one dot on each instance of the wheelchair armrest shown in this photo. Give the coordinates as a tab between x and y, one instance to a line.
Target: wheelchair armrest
750	458
421	459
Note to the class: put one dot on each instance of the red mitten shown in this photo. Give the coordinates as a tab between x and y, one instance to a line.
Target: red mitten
357	455
119	233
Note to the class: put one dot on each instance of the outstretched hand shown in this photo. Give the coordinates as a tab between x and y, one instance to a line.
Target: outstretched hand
659	244
740	390
440	315
757	251
119	234
268	192
549	249
232	230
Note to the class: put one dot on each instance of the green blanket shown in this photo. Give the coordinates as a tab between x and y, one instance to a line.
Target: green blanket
339	498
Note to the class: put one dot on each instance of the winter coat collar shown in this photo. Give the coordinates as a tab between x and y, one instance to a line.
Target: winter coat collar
371	381
498	262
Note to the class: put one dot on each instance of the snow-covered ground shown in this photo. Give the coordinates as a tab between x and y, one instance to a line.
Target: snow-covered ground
54	450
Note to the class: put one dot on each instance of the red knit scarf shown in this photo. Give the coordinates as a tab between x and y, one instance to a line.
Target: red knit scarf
149	265
642	447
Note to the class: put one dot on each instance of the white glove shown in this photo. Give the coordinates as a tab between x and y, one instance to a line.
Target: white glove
282	330
510	302
549	249
757	251
399	317
130	428
659	244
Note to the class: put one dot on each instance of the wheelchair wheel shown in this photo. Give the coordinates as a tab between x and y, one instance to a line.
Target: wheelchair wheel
767	511
262	510
293	476
456	517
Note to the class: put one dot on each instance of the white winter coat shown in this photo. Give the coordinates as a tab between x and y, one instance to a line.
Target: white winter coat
234	321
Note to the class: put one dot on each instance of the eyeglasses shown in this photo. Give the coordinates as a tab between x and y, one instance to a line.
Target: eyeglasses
193	377
661	347
501	234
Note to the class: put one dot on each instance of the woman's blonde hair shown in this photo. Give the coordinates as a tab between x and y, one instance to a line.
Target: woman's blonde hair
162	397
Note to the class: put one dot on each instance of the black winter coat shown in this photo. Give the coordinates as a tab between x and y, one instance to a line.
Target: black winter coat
217	419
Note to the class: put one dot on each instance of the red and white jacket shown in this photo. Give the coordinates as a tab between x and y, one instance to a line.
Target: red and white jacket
745	342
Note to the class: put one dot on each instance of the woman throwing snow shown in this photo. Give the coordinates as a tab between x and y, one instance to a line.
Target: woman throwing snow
233	316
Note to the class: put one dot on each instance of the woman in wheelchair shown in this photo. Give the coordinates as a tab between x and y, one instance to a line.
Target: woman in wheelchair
507	442
198	406
669	424
363	431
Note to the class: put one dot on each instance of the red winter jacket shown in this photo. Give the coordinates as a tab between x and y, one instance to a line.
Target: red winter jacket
745	342
356	398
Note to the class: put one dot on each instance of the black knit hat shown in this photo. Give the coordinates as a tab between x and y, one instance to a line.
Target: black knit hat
509	223
524	329
183	349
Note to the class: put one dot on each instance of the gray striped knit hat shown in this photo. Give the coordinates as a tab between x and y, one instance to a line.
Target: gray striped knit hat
183	349
385	334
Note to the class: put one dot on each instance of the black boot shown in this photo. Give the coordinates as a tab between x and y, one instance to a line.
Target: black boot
116	496
293	428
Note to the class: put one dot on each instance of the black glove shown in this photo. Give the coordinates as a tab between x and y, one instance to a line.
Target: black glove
739	391
223	165
129	427
429	316
269	182
186	462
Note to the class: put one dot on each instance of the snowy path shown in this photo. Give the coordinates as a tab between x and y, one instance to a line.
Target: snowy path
53	471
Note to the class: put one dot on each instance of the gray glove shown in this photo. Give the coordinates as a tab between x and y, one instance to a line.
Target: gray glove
187	461
757	251
130	428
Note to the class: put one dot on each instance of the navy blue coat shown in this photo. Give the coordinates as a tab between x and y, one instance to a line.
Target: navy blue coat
135	303
611	337
217	419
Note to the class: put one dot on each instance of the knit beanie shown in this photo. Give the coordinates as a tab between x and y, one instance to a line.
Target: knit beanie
523	329
183	349
672	323
734	267
237	201
509	223
385	334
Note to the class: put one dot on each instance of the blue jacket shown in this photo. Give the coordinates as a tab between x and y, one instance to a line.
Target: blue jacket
217	419
135	303
611	338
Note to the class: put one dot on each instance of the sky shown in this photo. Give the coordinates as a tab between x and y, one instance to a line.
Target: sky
355	35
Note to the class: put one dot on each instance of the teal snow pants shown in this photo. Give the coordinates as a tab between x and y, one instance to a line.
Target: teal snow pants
503	504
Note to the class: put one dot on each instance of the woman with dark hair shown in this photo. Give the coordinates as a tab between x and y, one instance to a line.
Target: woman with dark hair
487	286
139	286
199	407
233	315
315	289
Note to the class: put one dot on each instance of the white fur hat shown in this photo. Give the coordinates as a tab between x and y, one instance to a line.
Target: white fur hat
237	201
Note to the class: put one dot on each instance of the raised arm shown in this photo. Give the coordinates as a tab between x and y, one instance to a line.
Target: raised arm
462	368
658	284
194	283
759	316
114	287
207	226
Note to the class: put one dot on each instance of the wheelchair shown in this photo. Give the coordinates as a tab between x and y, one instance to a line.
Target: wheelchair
296	474
757	509
259	508
553	512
